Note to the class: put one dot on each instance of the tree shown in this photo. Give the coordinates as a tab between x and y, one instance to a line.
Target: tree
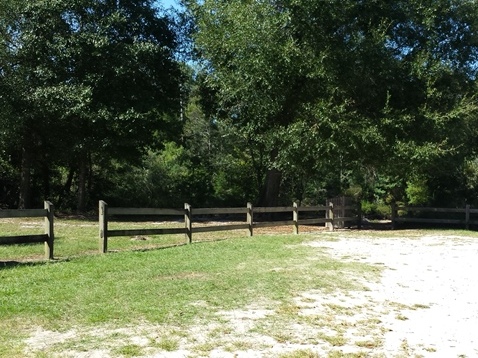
353	82
88	80
246	48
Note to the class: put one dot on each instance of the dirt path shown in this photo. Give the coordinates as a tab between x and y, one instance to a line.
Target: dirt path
427	299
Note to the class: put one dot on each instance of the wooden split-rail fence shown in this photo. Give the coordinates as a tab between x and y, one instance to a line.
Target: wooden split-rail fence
421	215
333	214
47	238
189	213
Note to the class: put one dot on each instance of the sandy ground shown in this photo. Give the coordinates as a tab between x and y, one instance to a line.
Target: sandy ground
424	305
436	278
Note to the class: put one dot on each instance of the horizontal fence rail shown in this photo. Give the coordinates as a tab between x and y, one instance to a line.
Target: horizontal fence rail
332	215
145	211
47	238
189	212
466	220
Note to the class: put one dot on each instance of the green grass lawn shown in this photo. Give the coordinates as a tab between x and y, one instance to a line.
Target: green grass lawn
161	282
145	282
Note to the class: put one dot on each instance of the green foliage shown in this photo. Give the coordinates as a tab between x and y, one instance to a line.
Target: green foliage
417	191
8	188
375	210
283	73
85	78
170	177
161	181
231	181
471	175
290	100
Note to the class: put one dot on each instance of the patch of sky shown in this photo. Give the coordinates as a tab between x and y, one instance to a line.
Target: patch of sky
166	4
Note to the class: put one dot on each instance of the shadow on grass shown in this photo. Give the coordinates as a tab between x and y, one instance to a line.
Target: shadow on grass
12	263
144	249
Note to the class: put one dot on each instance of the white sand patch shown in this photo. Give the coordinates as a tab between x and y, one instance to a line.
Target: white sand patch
41	339
429	289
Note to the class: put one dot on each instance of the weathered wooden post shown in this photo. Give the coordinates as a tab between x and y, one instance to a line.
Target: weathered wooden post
49	230
250	219
467	217
329	215
295	218
188	223
103	222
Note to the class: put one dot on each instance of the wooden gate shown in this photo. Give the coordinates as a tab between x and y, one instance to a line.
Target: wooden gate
345	209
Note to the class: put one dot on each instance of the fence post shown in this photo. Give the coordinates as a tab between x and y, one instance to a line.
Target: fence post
250	219
467	217
103	221
188	222
394	215
329	214
295	218
49	230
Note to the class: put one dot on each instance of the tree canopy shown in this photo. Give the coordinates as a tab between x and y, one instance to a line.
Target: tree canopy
281	100
85	78
346	82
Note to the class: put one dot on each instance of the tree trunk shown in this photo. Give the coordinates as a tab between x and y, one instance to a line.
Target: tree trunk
45	175
24	200
271	189
67	187
82	181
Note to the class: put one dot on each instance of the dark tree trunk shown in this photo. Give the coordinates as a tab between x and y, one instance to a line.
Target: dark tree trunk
45	174
67	187
90	174
24	200
82	183
271	189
